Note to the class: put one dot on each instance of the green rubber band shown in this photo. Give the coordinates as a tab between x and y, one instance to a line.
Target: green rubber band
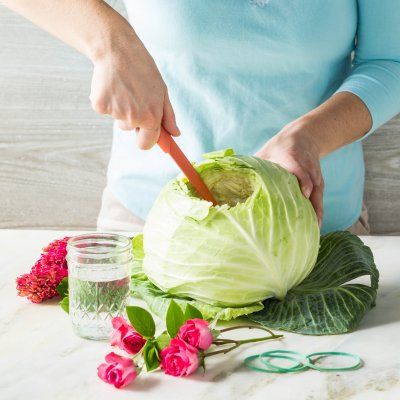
324	354
304	362
301	356
300	366
248	363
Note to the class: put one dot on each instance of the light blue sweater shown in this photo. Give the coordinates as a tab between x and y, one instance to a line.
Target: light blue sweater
238	71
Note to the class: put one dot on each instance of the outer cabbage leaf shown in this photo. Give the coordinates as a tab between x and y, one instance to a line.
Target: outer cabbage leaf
260	242
158	301
325	303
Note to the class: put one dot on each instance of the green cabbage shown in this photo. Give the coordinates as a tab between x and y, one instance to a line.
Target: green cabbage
259	242
329	301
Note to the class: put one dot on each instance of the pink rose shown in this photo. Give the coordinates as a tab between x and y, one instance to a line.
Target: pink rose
197	333
125	337
179	358
118	371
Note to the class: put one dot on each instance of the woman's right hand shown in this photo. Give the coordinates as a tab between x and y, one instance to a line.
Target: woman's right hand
127	85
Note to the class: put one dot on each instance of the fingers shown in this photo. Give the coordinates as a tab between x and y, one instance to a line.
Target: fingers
300	156
305	181
317	194
312	187
147	136
316	199
134	96
98	104
147	132
168	120
147	123
123	125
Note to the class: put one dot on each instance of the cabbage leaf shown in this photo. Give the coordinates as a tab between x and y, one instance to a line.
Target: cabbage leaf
325	302
258	252
158	301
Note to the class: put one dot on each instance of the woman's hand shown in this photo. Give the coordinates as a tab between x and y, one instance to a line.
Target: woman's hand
340	120
127	85
294	149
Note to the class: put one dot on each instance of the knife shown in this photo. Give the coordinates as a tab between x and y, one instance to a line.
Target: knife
169	146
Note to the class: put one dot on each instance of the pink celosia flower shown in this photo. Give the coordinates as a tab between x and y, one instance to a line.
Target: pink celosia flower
197	333
42	281
55	253
118	371
125	336
179	358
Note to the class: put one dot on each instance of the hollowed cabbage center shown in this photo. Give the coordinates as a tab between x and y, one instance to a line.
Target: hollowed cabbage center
230	186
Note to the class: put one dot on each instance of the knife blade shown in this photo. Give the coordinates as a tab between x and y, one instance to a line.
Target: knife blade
169	146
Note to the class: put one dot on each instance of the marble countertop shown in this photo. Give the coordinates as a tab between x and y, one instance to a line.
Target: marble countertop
41	358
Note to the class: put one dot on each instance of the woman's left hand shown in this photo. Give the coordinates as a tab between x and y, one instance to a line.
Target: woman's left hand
294	149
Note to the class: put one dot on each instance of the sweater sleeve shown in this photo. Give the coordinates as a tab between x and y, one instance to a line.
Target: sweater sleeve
375	76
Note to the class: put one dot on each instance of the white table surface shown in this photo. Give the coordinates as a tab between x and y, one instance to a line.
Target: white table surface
41	358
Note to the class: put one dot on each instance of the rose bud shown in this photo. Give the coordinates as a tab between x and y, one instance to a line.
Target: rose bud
118	371
125	336
197	333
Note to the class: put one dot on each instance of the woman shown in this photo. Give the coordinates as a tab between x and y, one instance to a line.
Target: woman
275	78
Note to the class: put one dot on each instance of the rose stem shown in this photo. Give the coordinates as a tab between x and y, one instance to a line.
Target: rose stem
239	343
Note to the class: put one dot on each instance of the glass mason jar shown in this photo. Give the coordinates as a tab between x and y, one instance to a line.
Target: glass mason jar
99	272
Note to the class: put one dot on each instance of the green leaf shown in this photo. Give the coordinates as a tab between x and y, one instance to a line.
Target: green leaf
219	154
192	312
325	303
64	304
62	287
158	302
137	247
151	356
62	290
141	320
174	318
138	255
163	341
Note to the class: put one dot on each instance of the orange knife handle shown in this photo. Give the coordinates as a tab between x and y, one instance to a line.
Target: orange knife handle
165	141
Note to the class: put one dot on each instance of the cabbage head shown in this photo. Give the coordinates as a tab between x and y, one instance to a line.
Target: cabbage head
261	240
